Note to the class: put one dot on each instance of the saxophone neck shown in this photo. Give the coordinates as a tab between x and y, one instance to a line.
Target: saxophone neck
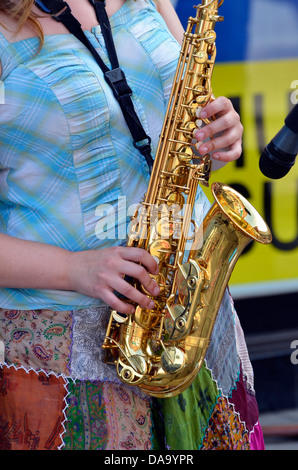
208	10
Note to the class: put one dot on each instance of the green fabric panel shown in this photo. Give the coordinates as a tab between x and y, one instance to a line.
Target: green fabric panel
180	422
86	426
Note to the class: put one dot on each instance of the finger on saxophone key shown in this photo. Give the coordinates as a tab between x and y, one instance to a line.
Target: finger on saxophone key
154	288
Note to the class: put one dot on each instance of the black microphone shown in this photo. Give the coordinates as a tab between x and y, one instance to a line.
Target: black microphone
279	156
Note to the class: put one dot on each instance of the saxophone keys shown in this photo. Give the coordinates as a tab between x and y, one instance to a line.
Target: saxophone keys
161	250
217	18
185	153
196	104
133	373
175	320
180	176
175	201
139	364
192	282
201	57
173	359
210	36
189	126
198	89
186	278
118	317
165	228
146	319
160	281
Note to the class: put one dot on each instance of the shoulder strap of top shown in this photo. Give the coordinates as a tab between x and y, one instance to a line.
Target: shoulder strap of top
115	76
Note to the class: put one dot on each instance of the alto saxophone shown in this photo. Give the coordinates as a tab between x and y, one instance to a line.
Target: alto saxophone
162	350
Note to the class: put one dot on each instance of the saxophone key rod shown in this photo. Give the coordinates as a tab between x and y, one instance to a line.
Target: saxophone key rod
168	173
183	130
174	141
176	186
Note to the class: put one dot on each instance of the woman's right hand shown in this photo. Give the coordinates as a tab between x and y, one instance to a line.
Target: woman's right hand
98	273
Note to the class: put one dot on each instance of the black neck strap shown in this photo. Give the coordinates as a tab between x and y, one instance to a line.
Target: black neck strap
115	77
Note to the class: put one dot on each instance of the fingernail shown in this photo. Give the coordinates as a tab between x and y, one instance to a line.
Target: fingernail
151	304
204	149
156	270
200	136
156	290
215	156
198	112
203	115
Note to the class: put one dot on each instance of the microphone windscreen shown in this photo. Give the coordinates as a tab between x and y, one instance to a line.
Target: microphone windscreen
272	167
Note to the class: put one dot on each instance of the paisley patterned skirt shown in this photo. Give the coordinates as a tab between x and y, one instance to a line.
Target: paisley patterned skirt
56	392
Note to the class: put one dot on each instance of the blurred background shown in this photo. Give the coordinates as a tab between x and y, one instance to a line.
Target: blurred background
257	68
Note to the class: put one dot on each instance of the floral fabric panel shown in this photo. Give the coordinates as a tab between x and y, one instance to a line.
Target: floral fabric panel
37	339
31	410
202	417
225	430
106	416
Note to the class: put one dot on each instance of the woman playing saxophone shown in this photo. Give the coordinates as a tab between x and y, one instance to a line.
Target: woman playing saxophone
65	151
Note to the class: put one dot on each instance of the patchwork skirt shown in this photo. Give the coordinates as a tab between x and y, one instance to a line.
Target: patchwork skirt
56	392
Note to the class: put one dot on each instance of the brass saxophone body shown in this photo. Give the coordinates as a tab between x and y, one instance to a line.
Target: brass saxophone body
162	350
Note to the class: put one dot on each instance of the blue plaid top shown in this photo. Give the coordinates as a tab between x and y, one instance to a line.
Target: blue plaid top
68	169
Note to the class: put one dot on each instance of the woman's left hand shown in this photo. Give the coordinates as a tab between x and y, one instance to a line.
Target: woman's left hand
227	146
